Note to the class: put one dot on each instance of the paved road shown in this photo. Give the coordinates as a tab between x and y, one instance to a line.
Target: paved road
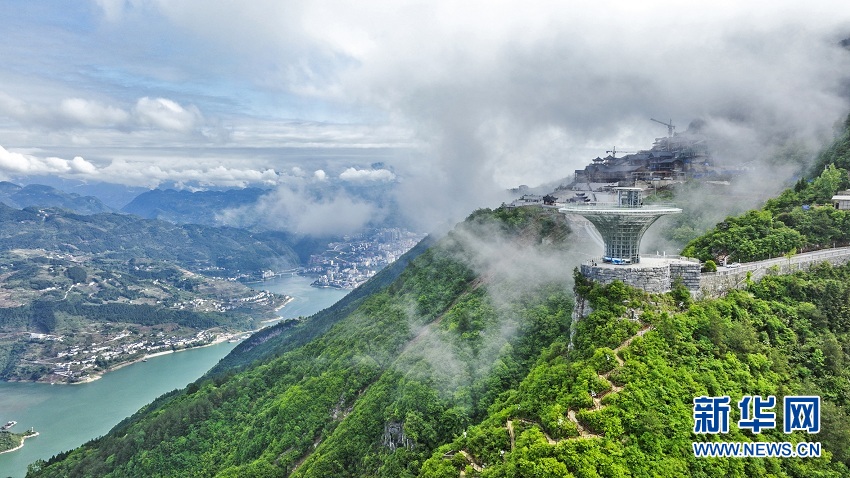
805	257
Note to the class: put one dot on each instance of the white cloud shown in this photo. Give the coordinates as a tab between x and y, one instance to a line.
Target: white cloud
92	113
365	175
305	209
19	163
166	114
16	164
320	175
484	94
81	166
79	113
21	111
153	175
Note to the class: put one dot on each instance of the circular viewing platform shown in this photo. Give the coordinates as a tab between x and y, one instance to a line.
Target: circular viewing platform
621	223
610	208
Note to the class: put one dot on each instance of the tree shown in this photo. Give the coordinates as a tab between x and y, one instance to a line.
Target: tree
77	274
788	255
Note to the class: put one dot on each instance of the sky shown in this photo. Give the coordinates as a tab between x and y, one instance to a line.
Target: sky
450	102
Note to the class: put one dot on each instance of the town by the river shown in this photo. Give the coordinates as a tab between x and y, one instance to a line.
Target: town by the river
66	416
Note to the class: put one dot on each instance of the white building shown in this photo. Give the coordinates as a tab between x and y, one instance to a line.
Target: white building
842	201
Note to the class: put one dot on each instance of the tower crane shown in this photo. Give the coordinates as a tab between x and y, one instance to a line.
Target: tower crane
614	152
669	126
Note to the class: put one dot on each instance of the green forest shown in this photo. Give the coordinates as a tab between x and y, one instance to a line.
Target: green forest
645	357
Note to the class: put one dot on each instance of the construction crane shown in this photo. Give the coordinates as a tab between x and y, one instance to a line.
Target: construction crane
669	126
614	152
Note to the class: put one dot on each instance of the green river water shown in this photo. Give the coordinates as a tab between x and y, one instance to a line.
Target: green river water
66	416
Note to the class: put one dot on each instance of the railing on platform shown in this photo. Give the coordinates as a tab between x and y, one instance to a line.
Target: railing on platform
804	257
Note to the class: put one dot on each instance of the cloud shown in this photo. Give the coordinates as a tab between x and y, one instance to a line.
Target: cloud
303	209
510	270
81	166
320	175
166	114
124	172
19	163
15	164
473	96
366	175
156	113
517	104
92	113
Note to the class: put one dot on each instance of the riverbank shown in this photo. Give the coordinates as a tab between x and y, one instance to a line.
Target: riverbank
94	375
67	417
219	339
23	440
288	300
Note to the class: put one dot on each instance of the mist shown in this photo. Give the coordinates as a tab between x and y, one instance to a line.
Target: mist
472	98
509	269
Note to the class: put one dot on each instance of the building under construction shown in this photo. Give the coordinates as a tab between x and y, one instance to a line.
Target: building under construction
677	156
622	223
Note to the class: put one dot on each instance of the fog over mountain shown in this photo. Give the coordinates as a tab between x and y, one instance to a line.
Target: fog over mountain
458	101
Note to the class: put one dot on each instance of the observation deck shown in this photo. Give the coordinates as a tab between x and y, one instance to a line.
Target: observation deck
622	223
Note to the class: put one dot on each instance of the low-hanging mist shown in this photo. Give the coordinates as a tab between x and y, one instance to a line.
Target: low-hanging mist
510	267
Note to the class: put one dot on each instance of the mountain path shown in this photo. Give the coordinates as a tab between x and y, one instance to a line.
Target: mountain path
583	433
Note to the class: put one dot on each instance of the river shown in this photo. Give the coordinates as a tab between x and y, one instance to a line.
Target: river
66	416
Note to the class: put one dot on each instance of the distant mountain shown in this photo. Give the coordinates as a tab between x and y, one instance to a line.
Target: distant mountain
203	207
182	207
40	195
113	195
121	236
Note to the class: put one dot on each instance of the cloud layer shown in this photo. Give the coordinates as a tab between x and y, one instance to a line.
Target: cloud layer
460	100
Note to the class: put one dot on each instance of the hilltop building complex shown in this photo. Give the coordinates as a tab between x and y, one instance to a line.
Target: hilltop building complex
678	156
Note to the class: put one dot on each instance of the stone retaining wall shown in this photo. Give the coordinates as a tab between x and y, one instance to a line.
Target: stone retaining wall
659	277
654	278
718	283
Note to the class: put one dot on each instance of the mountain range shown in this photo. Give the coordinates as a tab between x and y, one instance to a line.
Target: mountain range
41	195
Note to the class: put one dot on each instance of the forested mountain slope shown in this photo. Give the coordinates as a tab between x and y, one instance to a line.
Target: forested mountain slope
198	207
802	218
619	401
45	196
287	335
408	370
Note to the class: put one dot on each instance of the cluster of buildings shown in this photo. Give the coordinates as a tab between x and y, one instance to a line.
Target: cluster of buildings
676	157
73	361
259	299
352	261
